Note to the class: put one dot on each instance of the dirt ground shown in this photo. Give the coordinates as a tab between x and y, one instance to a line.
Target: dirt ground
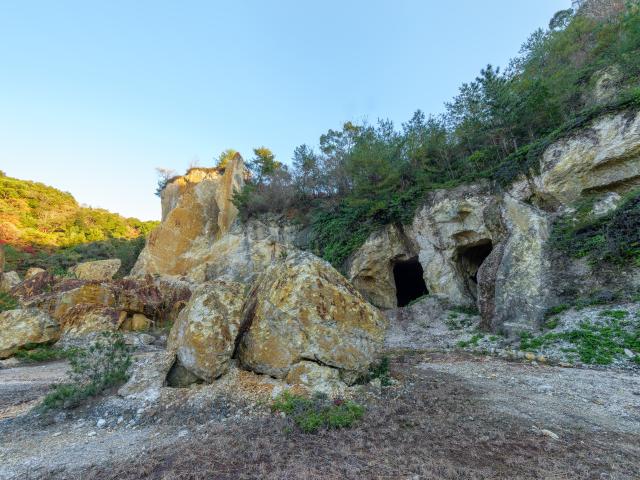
449	416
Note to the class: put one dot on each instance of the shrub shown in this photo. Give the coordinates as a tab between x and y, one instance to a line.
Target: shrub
378	370
596	343
312	414
7	302
101	366
43	353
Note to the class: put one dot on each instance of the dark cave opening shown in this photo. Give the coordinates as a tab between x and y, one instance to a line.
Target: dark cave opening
409	281
469	259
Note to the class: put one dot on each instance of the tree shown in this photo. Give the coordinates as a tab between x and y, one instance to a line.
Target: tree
165	175
225	157
263	165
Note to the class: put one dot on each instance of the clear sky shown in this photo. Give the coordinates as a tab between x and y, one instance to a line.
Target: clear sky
95	94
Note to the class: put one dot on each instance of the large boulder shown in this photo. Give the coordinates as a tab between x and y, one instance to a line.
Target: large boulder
32	272
97	270
300	309
204	335
9	280
22	327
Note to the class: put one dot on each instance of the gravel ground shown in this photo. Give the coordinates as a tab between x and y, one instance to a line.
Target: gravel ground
448	415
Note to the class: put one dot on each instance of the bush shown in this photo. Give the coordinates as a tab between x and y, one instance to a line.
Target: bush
613	237
7	301
101	366
43	353
312	414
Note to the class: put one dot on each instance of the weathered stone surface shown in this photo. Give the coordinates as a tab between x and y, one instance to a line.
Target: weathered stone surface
302	309
9	280
32	272
204	335
371	267
605	157
197	211
148	376
25	326
316	377
136	323
97	270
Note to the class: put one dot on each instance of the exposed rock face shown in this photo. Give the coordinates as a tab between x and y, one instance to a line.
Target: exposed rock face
479	245
303	309
318	377
82	306
204	336
97	270
196	211
604	157
371	269
25	326
32	272
9	280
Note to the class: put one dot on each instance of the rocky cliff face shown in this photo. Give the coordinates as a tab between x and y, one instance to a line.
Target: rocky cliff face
480	245
196	211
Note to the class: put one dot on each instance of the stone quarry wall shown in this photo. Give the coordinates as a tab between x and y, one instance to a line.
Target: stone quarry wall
481	245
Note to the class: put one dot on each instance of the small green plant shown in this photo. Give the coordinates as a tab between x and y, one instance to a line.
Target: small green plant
43	353
466	309
101	366
556	310
551	323
595	343
312	414
617	314
7	302
381	370
472	342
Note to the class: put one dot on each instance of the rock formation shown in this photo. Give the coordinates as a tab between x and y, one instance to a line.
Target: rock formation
24	327
96	270
481	245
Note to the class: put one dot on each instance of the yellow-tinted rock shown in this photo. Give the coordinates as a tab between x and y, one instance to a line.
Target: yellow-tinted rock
303	309
32	272
196	209
8	280
205	332
25	326
140	323
97	270
314	376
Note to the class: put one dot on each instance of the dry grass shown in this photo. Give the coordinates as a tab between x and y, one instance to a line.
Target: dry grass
436	428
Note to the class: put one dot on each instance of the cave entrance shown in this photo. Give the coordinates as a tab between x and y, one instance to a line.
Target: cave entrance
409	281
469	260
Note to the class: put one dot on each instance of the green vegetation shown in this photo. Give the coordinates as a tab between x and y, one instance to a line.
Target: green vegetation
455	322
472	342
312	414
44	353
595	343
7	302
101	366
613	237
366	176
378	370
44	227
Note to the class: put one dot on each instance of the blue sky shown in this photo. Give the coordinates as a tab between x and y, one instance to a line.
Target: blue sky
95	94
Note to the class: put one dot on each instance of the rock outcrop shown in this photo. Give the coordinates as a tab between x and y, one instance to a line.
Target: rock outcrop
197	210
97	270
478	244
204	335
302	309
9	280
24	327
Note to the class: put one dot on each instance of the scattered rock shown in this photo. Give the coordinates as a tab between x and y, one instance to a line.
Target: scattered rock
96	270
25	326
32	272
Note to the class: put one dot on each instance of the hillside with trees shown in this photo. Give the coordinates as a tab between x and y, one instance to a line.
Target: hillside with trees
363	176
41	226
